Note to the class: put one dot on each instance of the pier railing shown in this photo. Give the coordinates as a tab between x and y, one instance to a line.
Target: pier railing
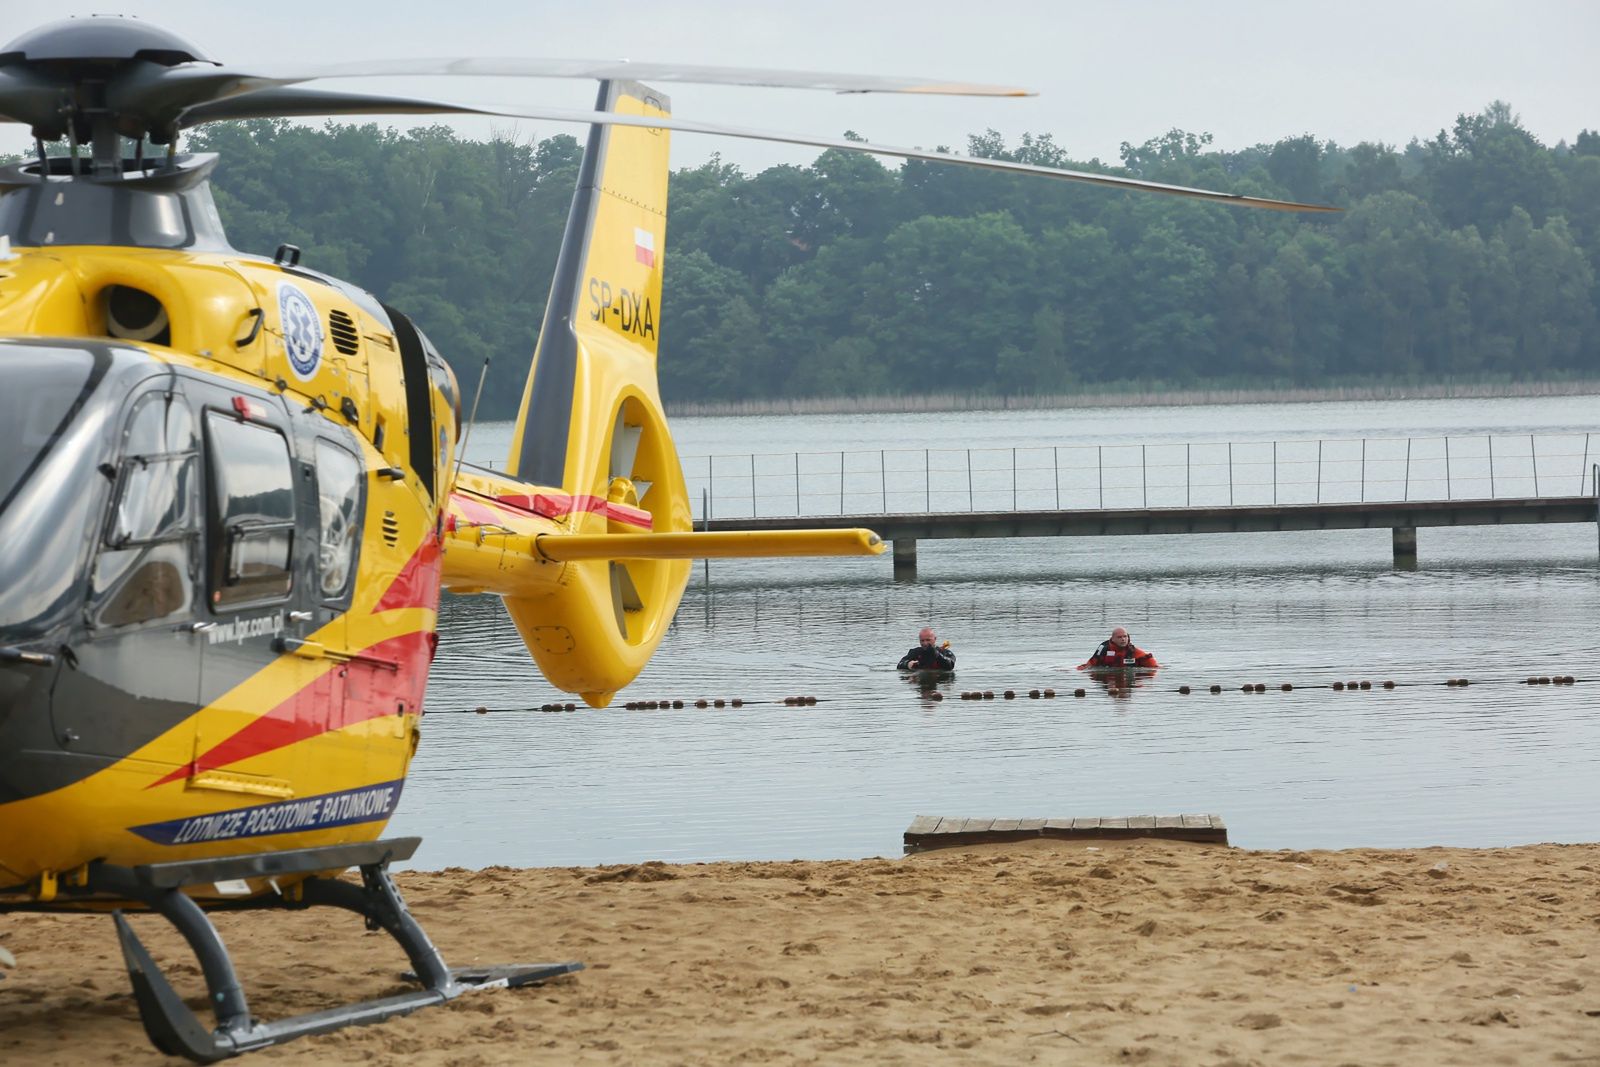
1082	477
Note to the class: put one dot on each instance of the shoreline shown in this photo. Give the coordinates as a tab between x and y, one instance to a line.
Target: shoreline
1147	952
955	402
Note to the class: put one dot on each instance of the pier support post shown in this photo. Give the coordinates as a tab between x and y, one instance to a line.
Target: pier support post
1405	548
905	559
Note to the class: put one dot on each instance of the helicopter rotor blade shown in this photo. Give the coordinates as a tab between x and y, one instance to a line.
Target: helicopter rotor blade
270	103
157	94
28	98
611	69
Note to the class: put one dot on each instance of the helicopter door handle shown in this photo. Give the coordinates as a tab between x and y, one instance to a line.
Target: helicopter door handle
10	654
196	627
301	616
256	317
294	646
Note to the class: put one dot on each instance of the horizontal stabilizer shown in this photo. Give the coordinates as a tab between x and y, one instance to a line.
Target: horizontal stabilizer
720	544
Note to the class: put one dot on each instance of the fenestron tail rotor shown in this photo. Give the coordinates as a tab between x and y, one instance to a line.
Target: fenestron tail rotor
625	488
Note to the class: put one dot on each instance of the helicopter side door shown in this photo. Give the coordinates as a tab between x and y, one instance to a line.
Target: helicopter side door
261	540
135	672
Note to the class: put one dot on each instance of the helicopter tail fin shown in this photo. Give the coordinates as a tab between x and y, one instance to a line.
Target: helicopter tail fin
602	315
591	436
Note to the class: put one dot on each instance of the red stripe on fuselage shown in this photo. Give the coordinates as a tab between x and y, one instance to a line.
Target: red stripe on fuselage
417	585
474	512
555	505
339	698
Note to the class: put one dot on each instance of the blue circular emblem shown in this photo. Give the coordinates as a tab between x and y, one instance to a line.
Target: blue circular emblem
302	331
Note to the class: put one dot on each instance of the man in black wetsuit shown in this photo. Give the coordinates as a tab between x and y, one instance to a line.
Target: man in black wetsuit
927	656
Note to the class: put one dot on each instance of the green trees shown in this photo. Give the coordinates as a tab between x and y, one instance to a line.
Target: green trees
1469	254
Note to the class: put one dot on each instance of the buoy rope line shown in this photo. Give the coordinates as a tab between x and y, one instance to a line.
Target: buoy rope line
1047	694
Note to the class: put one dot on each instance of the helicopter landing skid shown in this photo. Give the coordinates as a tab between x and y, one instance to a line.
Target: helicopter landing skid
175	1029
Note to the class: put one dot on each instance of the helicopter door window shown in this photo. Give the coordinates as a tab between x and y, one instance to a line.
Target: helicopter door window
143	572
338	515
252	488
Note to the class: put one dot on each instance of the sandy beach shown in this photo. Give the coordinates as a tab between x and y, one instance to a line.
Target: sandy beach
1047	952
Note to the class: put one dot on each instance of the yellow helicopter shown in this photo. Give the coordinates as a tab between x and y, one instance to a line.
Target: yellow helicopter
231	492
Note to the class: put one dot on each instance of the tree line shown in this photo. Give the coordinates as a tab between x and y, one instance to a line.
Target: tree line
1468	256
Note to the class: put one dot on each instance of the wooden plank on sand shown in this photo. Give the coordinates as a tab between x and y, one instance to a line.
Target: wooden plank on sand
927	831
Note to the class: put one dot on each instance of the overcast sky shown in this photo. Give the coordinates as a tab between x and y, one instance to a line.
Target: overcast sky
1107	72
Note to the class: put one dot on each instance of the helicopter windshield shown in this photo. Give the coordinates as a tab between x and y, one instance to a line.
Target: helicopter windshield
54	421
44	396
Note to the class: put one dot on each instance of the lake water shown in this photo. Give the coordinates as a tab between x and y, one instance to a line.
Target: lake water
1498	762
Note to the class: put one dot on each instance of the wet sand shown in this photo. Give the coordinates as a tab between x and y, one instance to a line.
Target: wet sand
1136	953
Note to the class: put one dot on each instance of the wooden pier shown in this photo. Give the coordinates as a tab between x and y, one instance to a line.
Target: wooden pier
1402	517
933	831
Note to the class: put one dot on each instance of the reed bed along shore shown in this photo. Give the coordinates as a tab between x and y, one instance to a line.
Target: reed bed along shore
936	402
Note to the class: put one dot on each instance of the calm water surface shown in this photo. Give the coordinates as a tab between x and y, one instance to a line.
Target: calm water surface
1496	763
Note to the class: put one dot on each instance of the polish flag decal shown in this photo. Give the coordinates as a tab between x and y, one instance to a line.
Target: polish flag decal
644	246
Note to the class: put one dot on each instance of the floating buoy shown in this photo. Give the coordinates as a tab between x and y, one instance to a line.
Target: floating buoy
481	710
1388	685
1286	687
1183	689
988	694
700	703
1338	685
1544	681
1033	694
1462	682
677	703
1247	688
936	695
1011	694
1078	693
719	703
1260	687
1366	685
1049	694
737	702
572	707
1216	689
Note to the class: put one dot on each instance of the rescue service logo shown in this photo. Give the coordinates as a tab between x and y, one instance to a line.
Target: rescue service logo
366	804
302	331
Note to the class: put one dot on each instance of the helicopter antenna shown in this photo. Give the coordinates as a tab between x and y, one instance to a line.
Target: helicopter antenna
461	452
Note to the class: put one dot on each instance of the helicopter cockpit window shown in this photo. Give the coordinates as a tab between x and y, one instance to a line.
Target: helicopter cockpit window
338	515
143	572
252	487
